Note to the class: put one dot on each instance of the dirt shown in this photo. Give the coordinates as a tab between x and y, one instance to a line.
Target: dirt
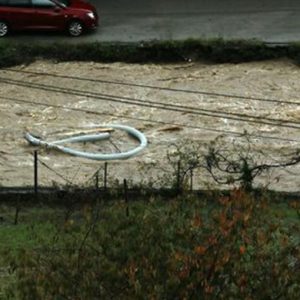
268	80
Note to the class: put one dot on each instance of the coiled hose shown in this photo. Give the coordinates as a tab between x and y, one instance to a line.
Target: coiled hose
93	137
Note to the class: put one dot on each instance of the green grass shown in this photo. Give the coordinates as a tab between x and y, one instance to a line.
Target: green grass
33	223
42	221
14	237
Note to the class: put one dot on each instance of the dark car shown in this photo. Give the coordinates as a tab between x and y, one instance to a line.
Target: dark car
74	16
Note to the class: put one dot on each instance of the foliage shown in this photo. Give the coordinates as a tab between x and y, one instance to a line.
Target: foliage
182	249
240	162
237	162
215	50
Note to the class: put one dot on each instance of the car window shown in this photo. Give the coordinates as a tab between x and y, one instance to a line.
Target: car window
43	3
3	2
64	2
19	3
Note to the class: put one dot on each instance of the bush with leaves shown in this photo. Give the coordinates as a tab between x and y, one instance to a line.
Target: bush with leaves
236	163
183	249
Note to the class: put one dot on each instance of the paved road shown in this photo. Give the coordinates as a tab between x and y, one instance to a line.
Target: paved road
134	20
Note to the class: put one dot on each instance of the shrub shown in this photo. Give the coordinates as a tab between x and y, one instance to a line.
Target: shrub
178	250
214	50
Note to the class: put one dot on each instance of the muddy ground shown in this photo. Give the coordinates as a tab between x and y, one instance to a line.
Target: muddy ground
278	80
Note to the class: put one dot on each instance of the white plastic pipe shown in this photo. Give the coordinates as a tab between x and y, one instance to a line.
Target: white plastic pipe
93	137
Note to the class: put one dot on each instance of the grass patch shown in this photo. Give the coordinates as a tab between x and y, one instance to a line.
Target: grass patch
37	221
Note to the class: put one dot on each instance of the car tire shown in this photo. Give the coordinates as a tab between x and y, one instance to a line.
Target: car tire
3	29
75	28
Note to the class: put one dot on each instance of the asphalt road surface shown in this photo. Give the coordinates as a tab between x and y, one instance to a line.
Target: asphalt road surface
136	20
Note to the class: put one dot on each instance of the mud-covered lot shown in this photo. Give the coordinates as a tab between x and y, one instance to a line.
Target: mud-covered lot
275	80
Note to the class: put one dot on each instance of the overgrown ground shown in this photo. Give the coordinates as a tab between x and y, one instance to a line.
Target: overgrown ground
151	238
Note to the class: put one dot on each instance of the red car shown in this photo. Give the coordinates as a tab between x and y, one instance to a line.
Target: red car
74	16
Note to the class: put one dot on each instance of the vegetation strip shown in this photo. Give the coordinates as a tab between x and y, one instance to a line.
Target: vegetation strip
215	50
228	247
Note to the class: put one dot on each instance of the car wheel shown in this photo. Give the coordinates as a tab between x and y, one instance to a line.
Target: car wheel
75	28
3	29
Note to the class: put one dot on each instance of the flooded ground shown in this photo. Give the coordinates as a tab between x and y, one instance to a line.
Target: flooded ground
277	81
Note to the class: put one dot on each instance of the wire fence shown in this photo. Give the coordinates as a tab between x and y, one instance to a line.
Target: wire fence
173	177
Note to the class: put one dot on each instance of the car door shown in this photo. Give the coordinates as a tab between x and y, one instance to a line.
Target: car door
21	13
48	15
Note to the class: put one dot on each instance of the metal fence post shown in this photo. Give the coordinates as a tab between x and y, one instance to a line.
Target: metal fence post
17	214
105	176
191	182
97	180
35	172
178	176
126	197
